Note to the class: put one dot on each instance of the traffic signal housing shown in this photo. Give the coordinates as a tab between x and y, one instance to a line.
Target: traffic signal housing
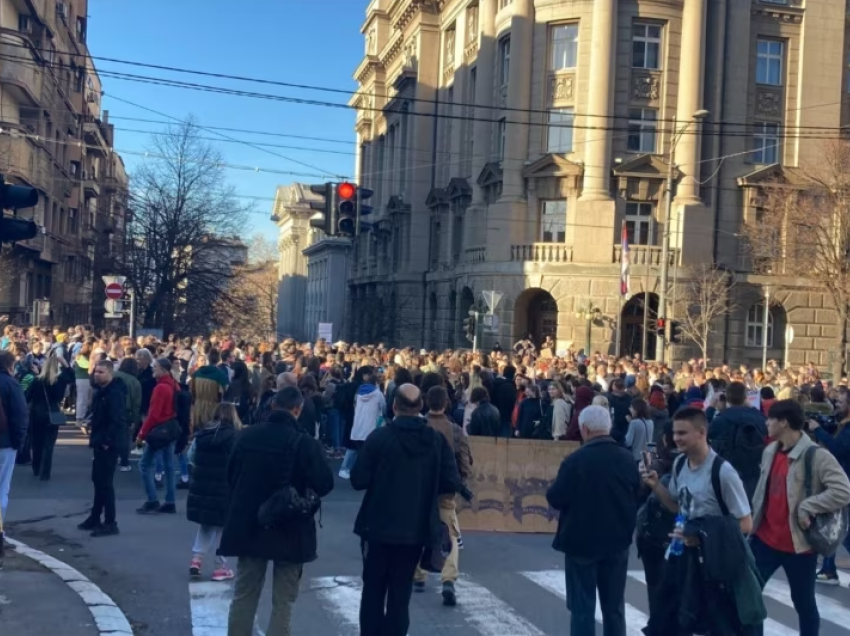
660	325
470	325
675	332
16	197
346	205
327	206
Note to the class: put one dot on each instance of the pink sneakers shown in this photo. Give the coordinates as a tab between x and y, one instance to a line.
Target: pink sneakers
195	567
223	574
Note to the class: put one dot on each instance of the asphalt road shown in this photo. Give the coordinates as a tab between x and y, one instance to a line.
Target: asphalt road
512	585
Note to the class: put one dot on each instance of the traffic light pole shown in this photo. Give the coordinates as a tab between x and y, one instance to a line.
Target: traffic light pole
475	333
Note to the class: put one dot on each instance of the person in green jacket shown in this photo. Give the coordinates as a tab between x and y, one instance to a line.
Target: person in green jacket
127	373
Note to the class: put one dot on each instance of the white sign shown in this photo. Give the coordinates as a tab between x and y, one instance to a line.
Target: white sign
326	331
108	280
789	334
492	299
113	306
754	398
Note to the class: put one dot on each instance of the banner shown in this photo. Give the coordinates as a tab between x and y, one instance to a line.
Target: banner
510	479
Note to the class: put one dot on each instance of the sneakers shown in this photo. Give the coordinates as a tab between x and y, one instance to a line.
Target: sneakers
460	543
106	530
827	579
168	509
136	452
182	485
419	586
222	574
195	567
449	598
125	469
89	524
149	508
344	474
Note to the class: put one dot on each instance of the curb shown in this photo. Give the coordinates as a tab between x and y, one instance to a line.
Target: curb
108	617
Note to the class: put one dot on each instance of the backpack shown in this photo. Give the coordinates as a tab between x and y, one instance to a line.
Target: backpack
743	449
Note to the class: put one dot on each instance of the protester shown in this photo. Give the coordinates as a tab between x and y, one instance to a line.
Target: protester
14	420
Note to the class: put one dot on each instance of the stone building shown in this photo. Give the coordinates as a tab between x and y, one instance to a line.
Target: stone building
53	137
509	141
327	277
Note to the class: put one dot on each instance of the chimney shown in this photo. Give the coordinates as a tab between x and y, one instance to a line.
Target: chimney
104	117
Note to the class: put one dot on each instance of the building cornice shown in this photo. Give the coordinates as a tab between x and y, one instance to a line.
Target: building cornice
368	67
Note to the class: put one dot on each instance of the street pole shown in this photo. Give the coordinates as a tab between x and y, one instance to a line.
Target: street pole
475	332
765	322
661	340
132	315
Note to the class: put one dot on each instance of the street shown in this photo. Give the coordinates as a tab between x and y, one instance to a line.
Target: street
512	585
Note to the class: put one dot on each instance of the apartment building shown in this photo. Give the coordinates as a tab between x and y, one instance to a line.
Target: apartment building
509	141
54	137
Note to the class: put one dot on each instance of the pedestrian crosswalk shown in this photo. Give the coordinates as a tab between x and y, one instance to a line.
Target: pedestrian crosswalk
510	606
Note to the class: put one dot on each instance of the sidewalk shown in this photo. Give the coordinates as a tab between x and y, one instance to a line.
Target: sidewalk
36	602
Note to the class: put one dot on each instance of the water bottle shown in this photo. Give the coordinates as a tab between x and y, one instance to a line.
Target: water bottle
677	545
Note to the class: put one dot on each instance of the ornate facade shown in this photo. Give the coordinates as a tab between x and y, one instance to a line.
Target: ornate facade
508	141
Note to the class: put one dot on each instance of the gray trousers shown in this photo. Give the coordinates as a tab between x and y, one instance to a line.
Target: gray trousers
250	578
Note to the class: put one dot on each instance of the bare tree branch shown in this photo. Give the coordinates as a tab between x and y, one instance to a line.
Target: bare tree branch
705	299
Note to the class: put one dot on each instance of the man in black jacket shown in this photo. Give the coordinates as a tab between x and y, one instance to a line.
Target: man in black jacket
108	432
504	398
269	457
403	467
596	492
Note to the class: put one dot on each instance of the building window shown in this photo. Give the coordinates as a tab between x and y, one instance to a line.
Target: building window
646	46
503	128
642	129
504	60
769	62
564	46
553	221
766	143
755	326
560	132
639	223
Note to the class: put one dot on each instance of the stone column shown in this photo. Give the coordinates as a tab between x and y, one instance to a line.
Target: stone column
484	77
518	100
597	159
691	67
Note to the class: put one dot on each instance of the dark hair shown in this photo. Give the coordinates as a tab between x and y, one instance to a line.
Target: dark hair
402	376
436	398
582	370
308	383
129	366
818	394
736	393
618	384
641	408
478	395
790	411
288	399
429	380
509	372
7	359
213	357
767	393
692	414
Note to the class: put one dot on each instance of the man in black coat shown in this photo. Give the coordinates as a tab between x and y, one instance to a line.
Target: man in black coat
108	433
268	457
596	492
504	398
403	467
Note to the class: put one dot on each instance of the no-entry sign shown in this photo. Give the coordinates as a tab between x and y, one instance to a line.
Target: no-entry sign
114	291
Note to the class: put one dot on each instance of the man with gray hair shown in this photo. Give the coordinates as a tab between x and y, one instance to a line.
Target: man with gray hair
596	492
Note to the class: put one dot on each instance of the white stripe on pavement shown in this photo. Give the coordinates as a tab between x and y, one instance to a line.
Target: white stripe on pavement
488	614
342	594
828	608
554	581
210	603
771	627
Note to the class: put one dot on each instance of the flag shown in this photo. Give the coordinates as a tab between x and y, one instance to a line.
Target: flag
624	262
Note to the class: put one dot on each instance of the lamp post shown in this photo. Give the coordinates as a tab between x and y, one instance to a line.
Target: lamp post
588	314
660	348
764	327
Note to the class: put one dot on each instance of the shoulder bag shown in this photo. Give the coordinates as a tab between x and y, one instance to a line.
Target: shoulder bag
57	418
828	529
161	436
287	505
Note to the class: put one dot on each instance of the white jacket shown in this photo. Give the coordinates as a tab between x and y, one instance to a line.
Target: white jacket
369	405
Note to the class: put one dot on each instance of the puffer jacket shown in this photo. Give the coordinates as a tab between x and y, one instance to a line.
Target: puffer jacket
209	492
486	420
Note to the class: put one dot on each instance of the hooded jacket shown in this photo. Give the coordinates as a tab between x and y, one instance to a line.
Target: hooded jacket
403	467
369	404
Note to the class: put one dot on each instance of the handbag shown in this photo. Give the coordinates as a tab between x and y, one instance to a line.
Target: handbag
57	418
828	529
287	505
434	557
161	436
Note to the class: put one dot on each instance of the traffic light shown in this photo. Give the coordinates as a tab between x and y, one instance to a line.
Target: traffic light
470	325
327	206
660	324
346	205
364	195
15	197
675	332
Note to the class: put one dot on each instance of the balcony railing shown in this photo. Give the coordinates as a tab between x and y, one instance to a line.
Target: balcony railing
22	157
475	255
542	253
645	255
24	75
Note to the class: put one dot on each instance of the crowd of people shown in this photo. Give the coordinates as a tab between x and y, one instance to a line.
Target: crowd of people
694	459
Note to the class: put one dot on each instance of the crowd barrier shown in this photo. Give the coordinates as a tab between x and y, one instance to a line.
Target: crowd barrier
510	478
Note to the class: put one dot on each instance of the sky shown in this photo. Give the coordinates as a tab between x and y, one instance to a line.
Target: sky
307	42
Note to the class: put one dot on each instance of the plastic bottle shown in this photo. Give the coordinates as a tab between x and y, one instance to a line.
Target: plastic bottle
677	545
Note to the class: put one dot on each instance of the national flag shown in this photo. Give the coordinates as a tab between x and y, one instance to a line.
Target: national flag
624	262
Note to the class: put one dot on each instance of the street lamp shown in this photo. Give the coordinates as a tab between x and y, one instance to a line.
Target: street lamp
660	349
588	314
764	326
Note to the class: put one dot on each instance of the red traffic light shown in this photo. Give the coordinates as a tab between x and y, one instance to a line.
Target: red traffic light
346	191
660	323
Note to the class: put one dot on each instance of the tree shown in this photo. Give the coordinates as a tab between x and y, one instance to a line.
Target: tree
702	301
250	306
802	231
180	239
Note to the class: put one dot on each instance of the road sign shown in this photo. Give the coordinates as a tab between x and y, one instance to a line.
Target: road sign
114	306
492	298
108	280
114	291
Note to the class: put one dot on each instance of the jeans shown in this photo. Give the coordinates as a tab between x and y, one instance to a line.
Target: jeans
103	477
43	442
7	467
250	578
146	467
84	392
125	447
800	572
653	568
335	428
182	461
586	576
385	601
207	538
348	460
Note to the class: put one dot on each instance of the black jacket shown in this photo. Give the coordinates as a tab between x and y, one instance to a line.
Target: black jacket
530	411
596	492
486	420
14	418
44	398
148	383
504	398
209	492
620	405
266	458
403	467
109	415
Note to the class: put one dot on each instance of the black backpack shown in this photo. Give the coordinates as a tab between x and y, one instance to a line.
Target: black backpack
743	447
543	427
654	522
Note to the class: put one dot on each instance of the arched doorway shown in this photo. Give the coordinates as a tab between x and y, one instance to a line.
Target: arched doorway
452	330
467	300
639	313
535	313
432	321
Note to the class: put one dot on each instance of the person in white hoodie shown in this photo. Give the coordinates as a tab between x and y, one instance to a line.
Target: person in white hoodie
369	406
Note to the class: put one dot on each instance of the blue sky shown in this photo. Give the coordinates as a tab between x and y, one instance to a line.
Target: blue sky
313	42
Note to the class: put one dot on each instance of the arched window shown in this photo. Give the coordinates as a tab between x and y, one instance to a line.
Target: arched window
755	326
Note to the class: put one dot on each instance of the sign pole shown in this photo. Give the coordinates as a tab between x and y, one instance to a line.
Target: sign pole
132	315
